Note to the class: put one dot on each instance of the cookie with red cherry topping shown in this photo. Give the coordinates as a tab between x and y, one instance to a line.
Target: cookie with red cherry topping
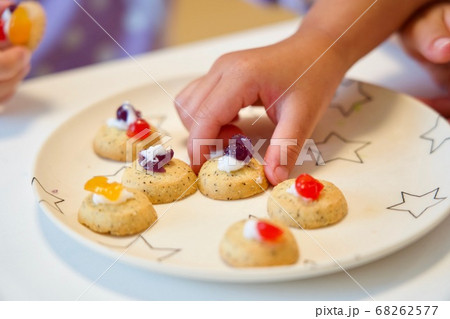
161	177
307	203
123	136
258	243
113	209
235	175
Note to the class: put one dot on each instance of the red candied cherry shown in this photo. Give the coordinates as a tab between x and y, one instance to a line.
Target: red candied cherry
308	187
137	127
2	32
268	231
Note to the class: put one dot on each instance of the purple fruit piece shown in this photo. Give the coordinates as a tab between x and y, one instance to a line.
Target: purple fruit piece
12	8
240	148
122	112
158	166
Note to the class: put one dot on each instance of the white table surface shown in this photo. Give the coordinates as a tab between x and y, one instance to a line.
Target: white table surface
40	262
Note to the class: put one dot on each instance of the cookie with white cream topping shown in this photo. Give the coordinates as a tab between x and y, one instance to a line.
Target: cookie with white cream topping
161	177
123	136
258	243
307	203
235	175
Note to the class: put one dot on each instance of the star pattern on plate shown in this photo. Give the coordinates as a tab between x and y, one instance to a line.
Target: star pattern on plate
167	252
349	97
335	147
416	205
115	176
438	134
47	197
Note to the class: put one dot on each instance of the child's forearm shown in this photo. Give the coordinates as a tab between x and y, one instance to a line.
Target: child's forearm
331	18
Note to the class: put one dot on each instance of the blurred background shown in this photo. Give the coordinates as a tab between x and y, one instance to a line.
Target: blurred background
77	30
192	20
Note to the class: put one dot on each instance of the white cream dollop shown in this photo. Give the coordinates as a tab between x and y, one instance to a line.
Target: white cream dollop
123	125
118	124
6	17
150	154
214	154
251	230
229	164
292	190
123	197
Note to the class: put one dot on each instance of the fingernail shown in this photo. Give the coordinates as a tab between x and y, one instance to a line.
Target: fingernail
281	173
442	43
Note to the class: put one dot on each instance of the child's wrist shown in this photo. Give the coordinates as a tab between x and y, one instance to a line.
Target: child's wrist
324	50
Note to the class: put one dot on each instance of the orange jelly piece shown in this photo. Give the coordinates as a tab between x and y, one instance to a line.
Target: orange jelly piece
99	185
20	27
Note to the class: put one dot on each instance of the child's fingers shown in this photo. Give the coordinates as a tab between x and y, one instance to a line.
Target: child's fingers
12	61
8	87
227	132
219	108
441	105
191	98
295	124
181	102
428	35
4	4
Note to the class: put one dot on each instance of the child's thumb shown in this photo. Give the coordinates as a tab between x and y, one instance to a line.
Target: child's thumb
295	124
4	4
428	36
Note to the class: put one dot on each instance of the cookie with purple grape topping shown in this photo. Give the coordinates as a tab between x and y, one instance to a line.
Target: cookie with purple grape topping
161	177
235	175
124	136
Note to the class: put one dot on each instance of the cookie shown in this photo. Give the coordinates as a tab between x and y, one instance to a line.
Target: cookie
111	143
242	183
24	24
133	216
177	182
258	243
291	209
125	135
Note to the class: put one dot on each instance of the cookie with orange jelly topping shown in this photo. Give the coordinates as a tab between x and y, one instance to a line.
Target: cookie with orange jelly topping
114	209
23	24
258	243
307	203
161	177
123	136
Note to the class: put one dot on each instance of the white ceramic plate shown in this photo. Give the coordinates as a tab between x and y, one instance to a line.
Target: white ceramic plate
387	152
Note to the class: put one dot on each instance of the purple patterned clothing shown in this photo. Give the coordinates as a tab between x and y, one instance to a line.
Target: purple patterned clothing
300	6
73	39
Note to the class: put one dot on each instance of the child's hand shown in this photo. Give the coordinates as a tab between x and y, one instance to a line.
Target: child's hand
335	34
260	77
14	66
427	38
